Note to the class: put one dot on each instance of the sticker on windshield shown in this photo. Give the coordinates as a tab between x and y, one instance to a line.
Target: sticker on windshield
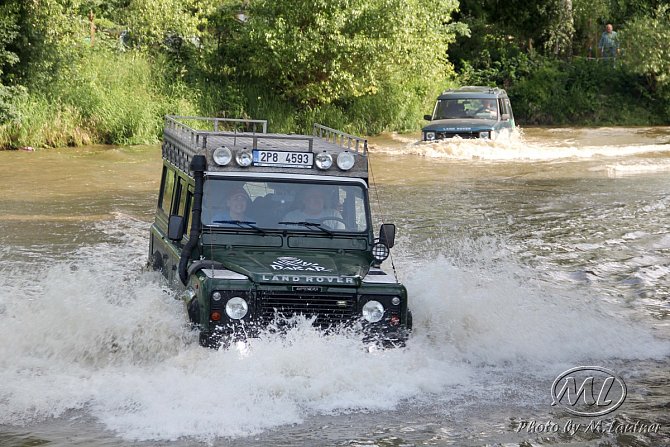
296	264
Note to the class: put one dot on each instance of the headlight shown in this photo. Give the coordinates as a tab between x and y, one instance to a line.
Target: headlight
485	135
222	155
323	160
236	308
243	158
430	136
373	311
345	160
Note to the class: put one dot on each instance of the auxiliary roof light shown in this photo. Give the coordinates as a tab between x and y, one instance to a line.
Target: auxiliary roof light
243	158
323	160
222	155
345	160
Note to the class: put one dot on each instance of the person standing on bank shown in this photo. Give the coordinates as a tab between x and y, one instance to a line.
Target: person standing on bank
609	43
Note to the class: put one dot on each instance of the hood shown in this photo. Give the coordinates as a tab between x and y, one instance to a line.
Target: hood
320	268
460	125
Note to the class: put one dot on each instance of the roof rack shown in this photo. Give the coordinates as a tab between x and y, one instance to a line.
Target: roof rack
186	136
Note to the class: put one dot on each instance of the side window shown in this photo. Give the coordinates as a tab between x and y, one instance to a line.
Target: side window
181	196
187	210
508	108
165	199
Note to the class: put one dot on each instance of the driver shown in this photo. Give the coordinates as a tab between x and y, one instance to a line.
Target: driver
488	108
314	209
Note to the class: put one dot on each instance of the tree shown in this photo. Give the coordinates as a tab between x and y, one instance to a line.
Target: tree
8	33
646	47
167	24
319	51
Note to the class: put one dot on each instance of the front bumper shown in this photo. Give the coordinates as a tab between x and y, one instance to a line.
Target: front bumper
224	335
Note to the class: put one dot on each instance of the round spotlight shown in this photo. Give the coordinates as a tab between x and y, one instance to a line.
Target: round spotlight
222	155
216	296
395	300
324	160
345	160
380	251
243	158
236	308
373	311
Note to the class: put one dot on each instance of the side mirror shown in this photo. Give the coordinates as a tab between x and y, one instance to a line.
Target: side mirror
387	234
505	116
175	228
428	117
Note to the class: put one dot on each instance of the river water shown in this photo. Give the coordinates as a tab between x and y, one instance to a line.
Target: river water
523	259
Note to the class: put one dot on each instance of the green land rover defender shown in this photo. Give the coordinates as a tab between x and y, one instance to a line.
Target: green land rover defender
261	227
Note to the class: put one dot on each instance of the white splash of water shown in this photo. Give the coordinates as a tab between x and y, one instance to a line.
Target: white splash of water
106	339
515	147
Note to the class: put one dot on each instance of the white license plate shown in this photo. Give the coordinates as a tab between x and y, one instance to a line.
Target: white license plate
283	159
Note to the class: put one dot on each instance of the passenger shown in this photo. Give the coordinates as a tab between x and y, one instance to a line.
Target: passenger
609	43
314	209
237	202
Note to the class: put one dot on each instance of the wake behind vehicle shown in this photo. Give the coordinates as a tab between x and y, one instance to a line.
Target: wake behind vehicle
470	112
260	227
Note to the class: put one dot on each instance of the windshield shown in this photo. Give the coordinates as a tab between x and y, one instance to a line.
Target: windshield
284	205
466	108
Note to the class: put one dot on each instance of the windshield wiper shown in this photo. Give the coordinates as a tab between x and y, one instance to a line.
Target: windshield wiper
240	223
308	225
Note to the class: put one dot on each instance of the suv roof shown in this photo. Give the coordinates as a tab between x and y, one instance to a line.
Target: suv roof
473	92
185	137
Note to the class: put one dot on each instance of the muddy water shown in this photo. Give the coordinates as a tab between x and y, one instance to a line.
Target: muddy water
523	259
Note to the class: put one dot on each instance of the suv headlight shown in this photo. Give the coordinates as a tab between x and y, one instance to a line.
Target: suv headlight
373	311
430	136
236	308
485	135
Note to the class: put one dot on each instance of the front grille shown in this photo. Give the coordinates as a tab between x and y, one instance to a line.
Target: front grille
329	309
464	135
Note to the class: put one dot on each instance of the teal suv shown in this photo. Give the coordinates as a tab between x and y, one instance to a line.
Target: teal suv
470	112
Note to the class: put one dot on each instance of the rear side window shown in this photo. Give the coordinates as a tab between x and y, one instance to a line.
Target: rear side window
165	199
181	196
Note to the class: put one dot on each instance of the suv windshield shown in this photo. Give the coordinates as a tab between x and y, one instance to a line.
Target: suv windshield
282	205
466	108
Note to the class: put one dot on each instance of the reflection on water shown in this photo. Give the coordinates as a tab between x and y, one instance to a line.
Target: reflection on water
518	269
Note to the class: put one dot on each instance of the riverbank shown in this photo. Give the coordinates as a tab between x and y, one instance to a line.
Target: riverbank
121	98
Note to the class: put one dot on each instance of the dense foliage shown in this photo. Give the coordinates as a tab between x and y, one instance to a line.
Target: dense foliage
106	71
546	55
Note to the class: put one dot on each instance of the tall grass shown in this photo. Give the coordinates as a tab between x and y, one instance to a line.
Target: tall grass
104	97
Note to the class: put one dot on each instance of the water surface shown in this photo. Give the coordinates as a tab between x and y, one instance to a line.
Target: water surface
522	259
